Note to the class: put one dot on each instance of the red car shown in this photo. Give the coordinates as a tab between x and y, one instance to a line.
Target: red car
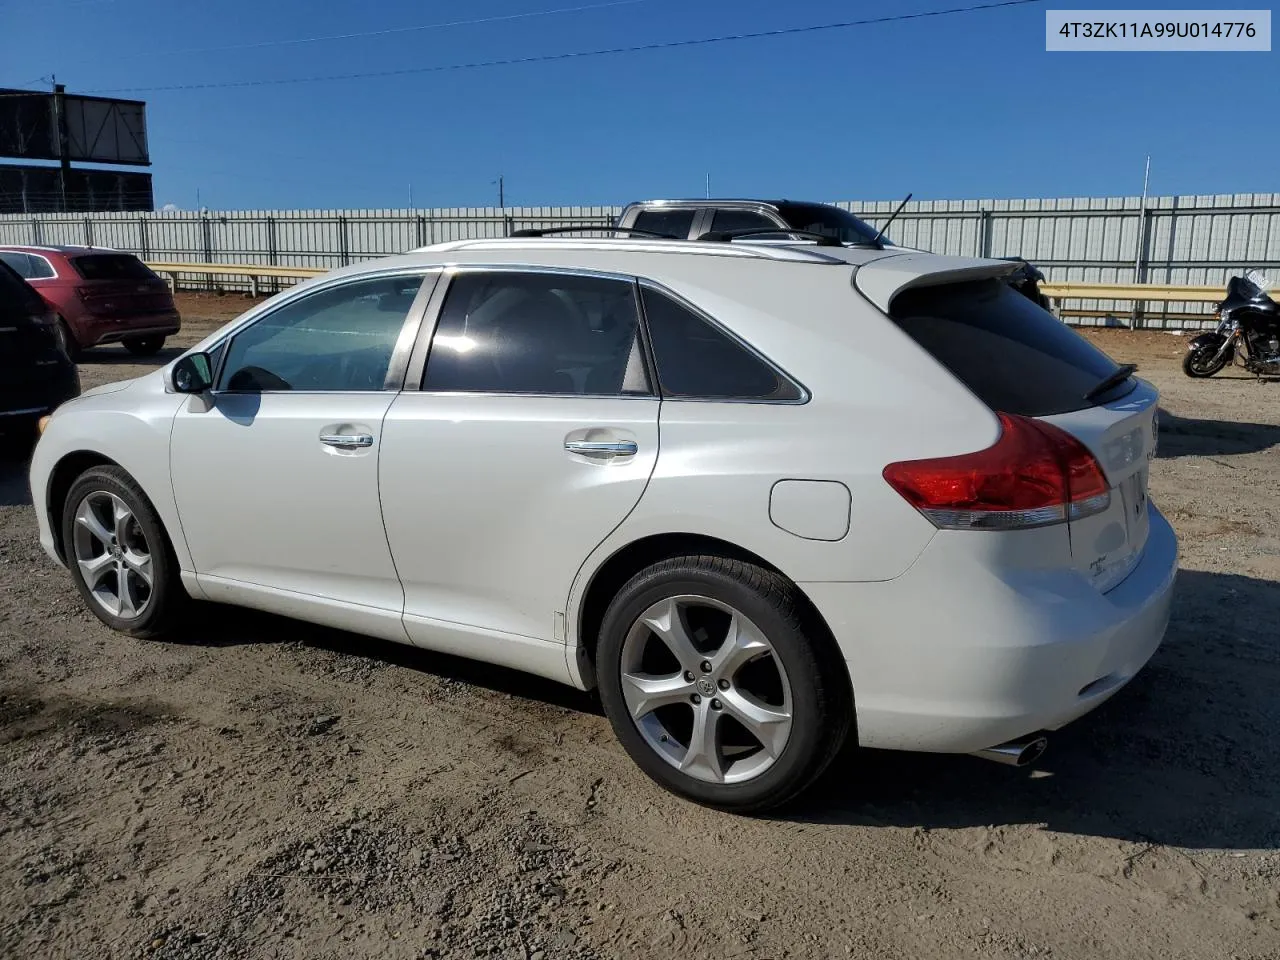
100	295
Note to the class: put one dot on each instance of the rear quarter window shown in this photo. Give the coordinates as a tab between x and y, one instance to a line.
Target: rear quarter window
1014	355
111	266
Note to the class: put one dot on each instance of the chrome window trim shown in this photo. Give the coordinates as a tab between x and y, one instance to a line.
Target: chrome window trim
422	350
399	363
805	395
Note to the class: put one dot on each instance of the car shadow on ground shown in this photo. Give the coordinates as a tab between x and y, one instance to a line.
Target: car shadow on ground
1183	436
1184	755
14	488
216	625
116	356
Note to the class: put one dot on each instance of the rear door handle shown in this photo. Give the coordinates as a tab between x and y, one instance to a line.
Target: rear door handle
602	449
347	441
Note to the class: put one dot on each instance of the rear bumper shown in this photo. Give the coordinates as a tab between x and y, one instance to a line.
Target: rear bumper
114	329
953	657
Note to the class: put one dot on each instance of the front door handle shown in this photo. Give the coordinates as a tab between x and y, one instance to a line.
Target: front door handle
602	448
347	441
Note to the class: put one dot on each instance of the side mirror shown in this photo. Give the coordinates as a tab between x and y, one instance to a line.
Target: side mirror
193	373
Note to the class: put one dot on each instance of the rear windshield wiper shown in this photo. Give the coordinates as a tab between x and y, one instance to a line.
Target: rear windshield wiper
1123	373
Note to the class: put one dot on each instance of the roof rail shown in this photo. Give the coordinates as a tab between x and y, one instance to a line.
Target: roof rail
762	251
548	231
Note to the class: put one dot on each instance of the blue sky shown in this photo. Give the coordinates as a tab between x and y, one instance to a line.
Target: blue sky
966	105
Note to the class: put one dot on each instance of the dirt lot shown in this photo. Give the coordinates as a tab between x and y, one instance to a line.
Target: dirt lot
268	789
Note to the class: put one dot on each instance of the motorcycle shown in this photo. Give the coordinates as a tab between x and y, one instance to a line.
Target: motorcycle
1248	325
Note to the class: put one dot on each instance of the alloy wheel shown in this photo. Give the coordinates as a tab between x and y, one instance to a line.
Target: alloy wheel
113	555
706	689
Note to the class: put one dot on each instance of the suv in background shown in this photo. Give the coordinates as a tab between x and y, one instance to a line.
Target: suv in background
36	375
690	219
99	295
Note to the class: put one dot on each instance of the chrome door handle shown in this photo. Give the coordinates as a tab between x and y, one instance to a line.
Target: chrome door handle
347	441
602	448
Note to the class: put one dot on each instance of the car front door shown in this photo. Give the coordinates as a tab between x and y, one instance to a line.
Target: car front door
531	435
276	472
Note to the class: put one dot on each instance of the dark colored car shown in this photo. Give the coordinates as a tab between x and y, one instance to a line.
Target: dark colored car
36	374
692	218
99	295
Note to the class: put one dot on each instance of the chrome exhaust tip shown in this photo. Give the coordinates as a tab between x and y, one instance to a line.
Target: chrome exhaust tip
1016	753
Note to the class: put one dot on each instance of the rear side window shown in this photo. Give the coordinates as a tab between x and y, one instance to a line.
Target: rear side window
19	263
726	220
543	333
111	266
697	360
1015	356
674	223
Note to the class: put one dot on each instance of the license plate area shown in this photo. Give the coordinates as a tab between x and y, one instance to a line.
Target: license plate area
1133	496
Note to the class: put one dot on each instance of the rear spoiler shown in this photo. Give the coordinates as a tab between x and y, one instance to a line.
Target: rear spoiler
880	281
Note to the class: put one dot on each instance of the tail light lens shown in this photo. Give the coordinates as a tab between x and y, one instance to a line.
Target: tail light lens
1034	475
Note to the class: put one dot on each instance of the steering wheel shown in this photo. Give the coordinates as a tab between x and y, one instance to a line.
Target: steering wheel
253	379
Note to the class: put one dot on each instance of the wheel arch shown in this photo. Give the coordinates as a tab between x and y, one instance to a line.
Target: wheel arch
61	478
628	560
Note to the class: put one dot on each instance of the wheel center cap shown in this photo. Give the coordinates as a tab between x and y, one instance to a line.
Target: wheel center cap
117	552
706	686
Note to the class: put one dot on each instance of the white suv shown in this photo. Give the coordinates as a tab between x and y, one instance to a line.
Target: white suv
765	497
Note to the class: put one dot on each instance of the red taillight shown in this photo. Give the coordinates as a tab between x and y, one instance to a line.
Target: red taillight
1034	475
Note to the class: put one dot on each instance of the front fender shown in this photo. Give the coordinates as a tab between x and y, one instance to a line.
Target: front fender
1211	340
134	435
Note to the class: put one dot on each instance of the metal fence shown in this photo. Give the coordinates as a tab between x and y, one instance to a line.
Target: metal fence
1175	240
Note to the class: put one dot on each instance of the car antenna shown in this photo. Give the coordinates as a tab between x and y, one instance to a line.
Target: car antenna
891	219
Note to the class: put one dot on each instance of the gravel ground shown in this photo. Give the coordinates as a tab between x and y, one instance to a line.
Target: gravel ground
261	788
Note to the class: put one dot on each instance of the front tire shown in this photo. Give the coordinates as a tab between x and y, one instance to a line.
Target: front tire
1200	362
119	554
720	684
144	346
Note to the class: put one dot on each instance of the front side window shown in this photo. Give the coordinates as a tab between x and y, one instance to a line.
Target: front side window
542	333
697	360
673	222
339	339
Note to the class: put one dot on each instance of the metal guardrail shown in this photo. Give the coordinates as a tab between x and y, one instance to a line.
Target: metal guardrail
1137	292
253	272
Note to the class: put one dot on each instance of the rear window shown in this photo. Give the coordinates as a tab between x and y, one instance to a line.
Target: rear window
1014	355
111	266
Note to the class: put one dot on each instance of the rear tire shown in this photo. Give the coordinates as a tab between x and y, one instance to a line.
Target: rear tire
1200	362
742	727
119	554
74	349
144	346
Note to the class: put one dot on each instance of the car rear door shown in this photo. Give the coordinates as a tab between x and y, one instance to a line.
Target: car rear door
1019	359
526	439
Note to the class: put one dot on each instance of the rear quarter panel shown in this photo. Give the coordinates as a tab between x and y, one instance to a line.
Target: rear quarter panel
874	398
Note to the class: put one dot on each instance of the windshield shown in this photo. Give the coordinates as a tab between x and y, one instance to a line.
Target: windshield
831	221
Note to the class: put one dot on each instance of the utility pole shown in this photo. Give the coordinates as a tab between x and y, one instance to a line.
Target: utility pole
502	193
64	152
410	194
708	186
1142	223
